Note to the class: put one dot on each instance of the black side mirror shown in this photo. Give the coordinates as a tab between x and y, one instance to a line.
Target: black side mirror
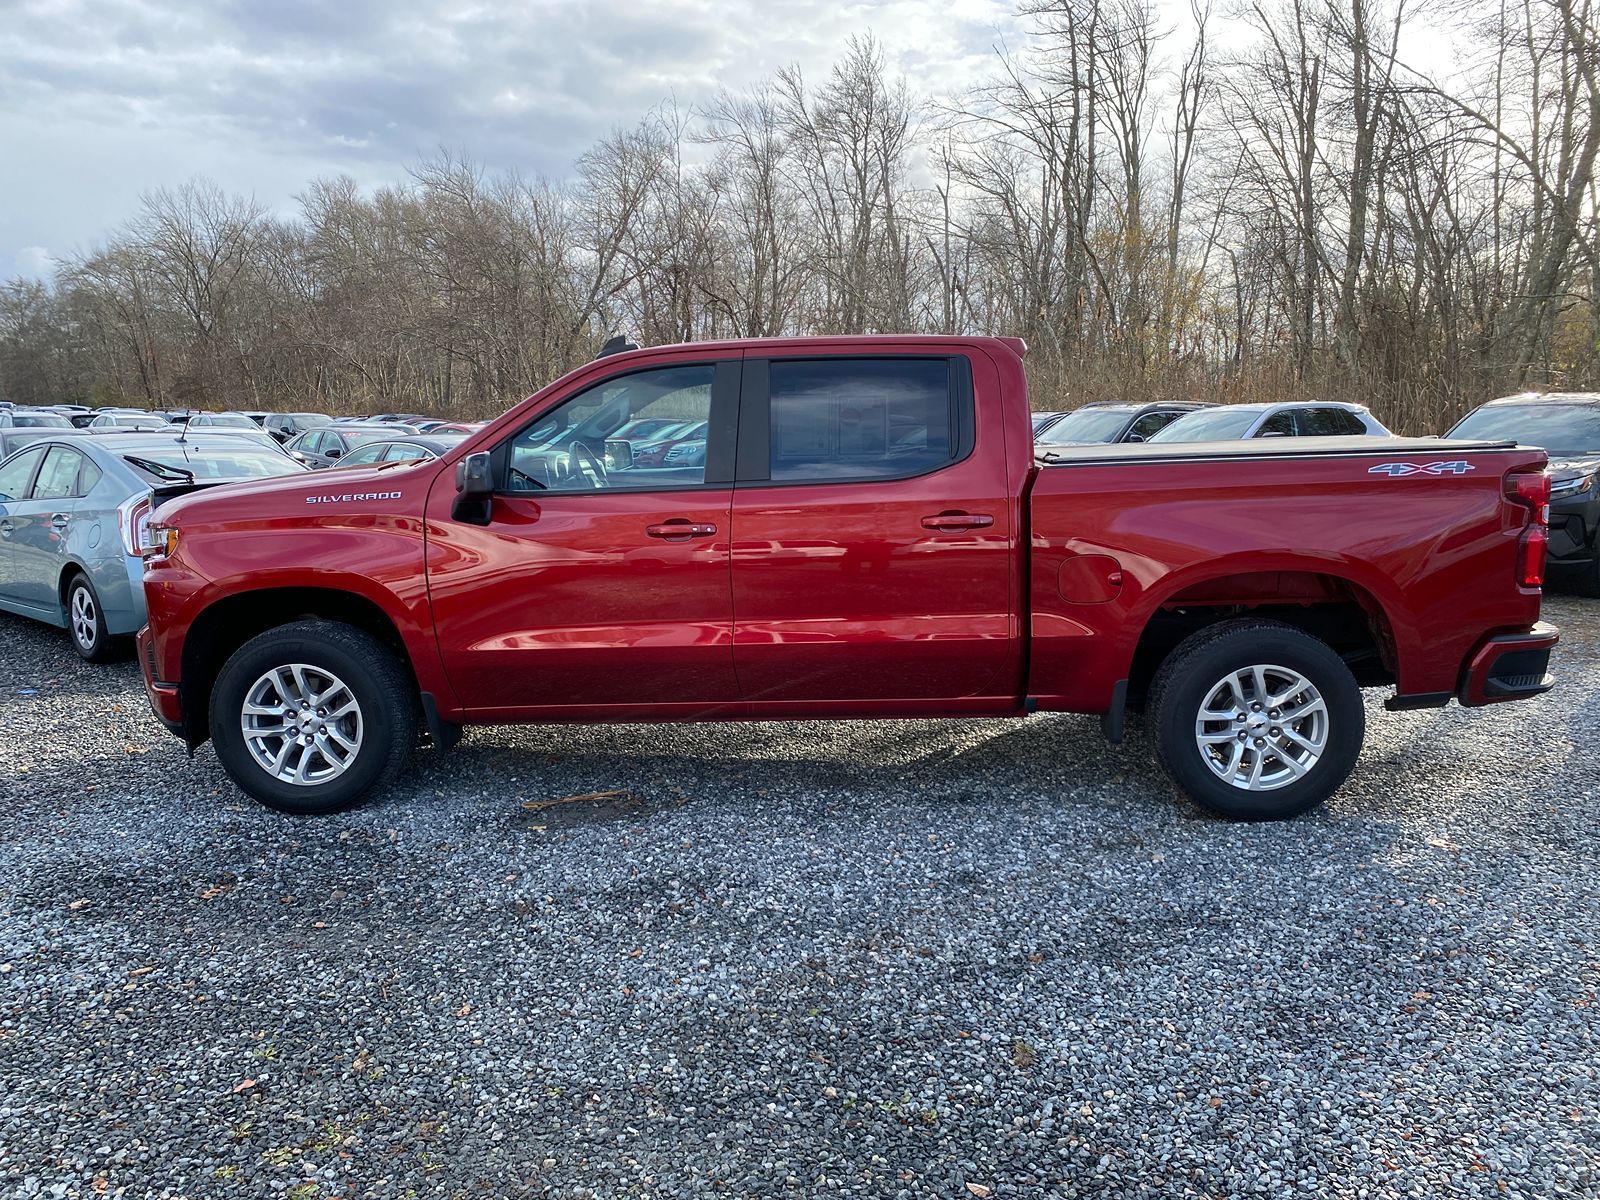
474	489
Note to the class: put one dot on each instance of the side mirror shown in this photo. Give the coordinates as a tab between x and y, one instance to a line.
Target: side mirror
333	452
474	501
473	475
1136	437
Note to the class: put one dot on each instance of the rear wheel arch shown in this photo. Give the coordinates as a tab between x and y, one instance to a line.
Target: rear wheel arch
225	625
1336	609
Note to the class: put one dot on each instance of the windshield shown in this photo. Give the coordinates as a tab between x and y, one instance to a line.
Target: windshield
230	421
1086	425
1219	425
177	462
1566	430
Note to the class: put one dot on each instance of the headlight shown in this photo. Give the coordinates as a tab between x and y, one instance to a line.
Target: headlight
1571	487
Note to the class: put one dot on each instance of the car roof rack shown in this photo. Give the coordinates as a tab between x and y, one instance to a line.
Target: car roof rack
617	344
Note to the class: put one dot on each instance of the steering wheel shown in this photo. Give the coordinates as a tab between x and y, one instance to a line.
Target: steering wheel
582	461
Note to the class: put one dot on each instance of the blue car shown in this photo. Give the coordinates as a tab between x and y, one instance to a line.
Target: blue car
75	512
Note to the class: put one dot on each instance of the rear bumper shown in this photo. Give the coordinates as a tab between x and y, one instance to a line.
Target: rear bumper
1509	666
164	701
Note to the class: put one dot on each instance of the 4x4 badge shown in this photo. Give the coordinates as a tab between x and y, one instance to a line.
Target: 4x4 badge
1400	470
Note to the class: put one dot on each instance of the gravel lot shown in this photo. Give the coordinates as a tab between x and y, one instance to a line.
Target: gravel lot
929	958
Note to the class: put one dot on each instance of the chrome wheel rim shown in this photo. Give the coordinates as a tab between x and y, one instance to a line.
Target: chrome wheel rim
1262	727
302	724
84	617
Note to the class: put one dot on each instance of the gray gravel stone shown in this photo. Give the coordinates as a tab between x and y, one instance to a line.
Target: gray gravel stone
916	958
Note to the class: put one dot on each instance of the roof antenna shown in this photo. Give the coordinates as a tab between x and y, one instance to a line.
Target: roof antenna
617	344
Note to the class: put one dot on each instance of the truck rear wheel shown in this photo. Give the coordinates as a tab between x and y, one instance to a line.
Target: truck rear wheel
1255	720
311	716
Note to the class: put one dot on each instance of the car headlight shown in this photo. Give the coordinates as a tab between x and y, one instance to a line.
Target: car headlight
1571	487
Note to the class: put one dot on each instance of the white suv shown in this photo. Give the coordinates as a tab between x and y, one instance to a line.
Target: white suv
1227	422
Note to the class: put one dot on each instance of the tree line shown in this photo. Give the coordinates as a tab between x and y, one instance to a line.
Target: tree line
1262	202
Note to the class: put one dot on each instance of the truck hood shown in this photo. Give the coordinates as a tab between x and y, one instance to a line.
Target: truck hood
302	493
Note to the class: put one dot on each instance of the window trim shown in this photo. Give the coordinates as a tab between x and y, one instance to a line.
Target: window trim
755	419
722	424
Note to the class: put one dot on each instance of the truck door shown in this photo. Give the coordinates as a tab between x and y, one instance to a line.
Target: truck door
590	581
872	540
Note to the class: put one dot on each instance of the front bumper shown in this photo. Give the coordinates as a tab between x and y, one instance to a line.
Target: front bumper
164	701
1572	530
1509	666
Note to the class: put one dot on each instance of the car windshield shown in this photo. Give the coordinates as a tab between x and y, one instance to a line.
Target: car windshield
191	460
230	421
1086	425
1219	425
41	421
1568	430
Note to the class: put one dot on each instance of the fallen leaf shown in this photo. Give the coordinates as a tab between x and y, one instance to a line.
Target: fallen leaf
978	1190
78	905
1443	843
100	1184
244	1085
465	1010
138	971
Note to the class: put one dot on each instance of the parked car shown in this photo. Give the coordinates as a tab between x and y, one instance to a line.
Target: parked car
1567	426
324	447
32	418
288	426
459	427
872	511
412	419
130	421
259	416
74	512
1110	421
411	449
227	420
1043	421
1228	422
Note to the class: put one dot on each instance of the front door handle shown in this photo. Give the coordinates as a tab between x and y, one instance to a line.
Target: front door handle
5	528
59	520
679	530
952	522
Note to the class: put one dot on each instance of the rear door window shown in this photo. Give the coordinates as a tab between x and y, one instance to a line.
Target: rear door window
861	418
1329	422
58	478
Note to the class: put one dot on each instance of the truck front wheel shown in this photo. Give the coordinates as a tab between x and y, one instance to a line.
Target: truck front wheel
311	716
1256	720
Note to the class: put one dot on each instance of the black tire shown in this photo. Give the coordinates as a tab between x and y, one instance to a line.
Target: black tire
378	681
1203	663
91	639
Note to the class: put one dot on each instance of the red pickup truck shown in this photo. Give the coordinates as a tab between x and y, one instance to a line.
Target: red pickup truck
867	533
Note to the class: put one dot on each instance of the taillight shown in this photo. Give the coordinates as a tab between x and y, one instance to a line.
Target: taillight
1533	548
1532	492
133	518
1532	552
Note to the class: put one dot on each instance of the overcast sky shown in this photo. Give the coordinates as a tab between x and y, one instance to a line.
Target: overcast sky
103	99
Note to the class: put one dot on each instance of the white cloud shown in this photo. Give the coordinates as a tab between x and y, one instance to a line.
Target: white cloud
105	99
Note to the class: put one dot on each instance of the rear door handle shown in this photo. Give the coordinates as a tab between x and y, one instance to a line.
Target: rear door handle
5	528
679	530
948	522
